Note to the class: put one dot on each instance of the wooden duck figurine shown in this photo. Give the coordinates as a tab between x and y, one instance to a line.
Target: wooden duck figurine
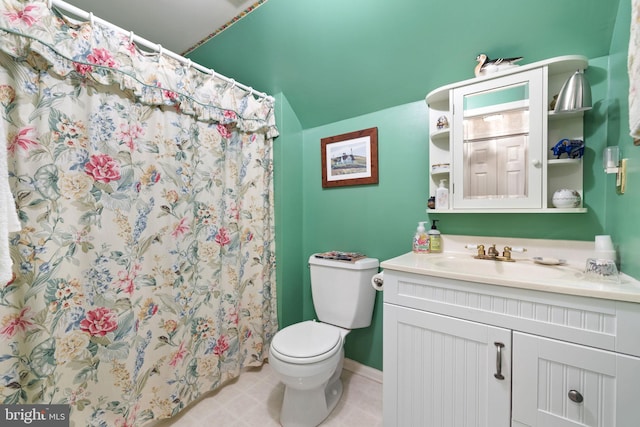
486	65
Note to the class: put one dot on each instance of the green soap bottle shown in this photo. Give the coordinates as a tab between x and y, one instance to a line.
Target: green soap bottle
435	238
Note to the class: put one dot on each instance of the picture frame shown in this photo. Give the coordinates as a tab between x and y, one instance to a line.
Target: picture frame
350	158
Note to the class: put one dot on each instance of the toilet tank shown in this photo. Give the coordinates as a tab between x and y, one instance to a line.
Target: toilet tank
342	292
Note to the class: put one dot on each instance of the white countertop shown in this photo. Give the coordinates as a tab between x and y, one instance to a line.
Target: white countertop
456	262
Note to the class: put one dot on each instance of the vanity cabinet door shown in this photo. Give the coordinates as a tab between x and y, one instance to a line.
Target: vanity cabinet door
558	384
441	371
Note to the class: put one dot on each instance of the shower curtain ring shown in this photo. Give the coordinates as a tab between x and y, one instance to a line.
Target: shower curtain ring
50	4
91	18
130	37
159	49
188	63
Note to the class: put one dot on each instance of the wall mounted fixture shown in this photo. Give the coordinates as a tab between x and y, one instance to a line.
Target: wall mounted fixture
612	163
611	159
575	94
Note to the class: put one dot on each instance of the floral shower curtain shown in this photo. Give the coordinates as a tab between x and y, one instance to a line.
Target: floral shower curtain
145	269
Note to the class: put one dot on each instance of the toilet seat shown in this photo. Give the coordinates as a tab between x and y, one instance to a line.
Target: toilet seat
306	342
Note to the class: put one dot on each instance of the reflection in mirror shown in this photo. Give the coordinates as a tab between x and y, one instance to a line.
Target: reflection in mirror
495	143
497	96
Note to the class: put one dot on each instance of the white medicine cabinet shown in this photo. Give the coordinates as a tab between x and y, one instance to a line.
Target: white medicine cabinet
492	138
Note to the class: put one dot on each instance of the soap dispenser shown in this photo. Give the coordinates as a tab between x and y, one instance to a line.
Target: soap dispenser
435	238
421	240
442	196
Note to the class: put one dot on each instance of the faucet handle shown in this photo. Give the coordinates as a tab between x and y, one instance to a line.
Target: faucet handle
480	248
508	249
518	249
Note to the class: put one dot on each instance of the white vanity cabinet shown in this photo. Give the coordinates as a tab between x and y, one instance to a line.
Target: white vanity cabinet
560	384
495	149
441	371
459	353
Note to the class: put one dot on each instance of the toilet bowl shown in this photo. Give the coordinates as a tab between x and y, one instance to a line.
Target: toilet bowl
308	358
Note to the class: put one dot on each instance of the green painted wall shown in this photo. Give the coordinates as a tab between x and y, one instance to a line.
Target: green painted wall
337	59
287	159
374	219
623	211
379	220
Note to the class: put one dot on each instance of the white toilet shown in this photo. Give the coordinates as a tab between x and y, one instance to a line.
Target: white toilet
308	356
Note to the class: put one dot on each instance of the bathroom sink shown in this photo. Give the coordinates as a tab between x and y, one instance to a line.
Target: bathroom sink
520	269
566	276
524	272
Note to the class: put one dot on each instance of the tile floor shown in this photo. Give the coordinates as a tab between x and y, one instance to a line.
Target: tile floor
254	399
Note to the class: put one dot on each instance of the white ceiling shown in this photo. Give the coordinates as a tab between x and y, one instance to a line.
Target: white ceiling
177	25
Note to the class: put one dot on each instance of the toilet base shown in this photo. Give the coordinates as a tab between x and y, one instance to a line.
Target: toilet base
308	408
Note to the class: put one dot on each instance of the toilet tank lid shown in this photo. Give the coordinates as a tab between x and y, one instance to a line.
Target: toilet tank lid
360	264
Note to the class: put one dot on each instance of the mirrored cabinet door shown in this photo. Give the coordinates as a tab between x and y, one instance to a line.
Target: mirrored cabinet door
497	142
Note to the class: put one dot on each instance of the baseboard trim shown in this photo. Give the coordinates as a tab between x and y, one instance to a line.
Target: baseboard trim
363	370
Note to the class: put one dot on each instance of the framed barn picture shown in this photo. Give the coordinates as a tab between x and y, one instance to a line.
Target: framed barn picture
350	158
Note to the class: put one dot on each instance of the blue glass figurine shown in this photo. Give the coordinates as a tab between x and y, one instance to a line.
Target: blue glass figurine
573	147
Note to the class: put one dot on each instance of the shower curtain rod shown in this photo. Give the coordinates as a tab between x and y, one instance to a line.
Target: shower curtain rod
150	45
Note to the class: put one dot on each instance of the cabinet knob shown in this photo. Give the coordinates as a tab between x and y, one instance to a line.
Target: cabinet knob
536	163
575	396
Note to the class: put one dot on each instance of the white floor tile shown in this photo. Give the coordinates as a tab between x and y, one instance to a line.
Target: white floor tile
254	400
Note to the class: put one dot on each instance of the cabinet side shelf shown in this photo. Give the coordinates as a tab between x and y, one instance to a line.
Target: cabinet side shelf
564	161
569	115
440	134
